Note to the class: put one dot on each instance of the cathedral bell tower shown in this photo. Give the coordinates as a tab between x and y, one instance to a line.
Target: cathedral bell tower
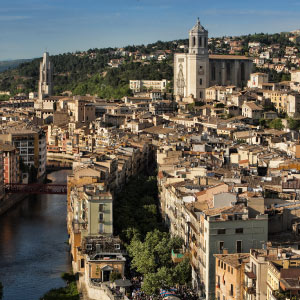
198	38
198	62
191	69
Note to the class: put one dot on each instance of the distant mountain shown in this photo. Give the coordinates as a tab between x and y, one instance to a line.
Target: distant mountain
11	64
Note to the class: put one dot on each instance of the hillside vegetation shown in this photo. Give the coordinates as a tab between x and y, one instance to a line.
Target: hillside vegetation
88	72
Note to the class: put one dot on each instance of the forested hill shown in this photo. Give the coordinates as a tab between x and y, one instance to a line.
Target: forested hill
10	64
89	73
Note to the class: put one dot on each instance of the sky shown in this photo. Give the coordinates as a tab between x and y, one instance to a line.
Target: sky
29	27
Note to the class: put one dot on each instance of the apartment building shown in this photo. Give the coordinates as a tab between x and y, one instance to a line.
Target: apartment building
211	221
11	163
2	191
230	275
31	145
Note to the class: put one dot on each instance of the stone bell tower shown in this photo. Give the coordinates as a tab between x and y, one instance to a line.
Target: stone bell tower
46	76
191	69
198	62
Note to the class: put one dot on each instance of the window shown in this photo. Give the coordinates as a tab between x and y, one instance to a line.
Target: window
228	71
218	263
200	81
239	230
101	217
231	290
224	266
82	263
101	228
221	246
242	71
200	41
101	207
239	246
213	72
228	269
194	42
221	231
98	248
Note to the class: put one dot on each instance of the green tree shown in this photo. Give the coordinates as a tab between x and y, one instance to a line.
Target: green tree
293	124
276	124
182	272
69	292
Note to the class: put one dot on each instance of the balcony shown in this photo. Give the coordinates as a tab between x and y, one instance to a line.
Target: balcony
251	290
179	256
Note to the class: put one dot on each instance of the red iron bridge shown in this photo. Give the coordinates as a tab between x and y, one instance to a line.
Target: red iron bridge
36	188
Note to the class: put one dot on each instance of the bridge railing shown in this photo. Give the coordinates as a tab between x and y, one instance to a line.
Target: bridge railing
36	188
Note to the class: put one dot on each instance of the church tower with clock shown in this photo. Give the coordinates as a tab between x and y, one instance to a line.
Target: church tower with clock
191	69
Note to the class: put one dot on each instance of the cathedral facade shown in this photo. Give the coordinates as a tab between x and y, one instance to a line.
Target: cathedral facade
197	70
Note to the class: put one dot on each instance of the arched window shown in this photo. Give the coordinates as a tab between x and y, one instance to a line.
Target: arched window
194	41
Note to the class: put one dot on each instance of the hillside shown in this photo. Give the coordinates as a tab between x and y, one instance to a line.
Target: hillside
11	64
88	72
106	72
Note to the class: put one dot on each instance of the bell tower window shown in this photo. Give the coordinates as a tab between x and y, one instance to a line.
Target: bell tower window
194	42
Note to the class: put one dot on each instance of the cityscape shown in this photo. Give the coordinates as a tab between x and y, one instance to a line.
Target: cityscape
168	170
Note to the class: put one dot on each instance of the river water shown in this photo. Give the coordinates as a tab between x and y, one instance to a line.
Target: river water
33	245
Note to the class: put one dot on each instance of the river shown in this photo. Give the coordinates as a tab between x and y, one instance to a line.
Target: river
33	245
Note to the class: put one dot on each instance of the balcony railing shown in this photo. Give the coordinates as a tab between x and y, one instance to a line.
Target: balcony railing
250	290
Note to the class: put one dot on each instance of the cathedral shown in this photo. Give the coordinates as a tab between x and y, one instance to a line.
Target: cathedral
197	70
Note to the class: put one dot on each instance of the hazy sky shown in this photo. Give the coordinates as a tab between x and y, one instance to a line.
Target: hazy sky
28	27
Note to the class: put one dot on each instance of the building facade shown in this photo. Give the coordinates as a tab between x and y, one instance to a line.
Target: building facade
31	145
10	163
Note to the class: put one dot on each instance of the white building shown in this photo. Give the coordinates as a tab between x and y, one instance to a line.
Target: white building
139	85
295	76
257	79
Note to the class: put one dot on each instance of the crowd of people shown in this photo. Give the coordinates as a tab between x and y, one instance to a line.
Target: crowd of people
182	292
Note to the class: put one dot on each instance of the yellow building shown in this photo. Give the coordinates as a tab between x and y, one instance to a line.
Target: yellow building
229	275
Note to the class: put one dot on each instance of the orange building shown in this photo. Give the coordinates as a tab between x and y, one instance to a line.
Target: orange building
229	275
